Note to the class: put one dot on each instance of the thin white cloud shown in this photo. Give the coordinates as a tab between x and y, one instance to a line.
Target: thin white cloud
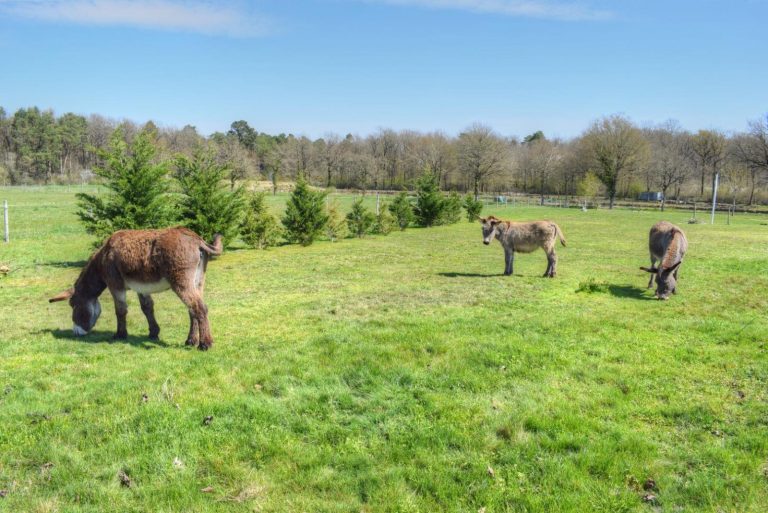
545	9
178	15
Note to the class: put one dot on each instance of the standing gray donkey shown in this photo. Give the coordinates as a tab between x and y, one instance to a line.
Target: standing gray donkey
524	238
667	244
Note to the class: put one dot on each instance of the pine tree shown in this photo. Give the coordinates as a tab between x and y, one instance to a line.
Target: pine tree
360	220
208	205
337	224
473	208
138	187
384	222
259	228
451	212
402	210
305	216
429	201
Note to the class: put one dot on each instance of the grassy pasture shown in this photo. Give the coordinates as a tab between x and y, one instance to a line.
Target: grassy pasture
398	373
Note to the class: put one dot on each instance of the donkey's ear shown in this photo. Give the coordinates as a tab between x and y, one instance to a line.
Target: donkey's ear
62	296
670	269
481	219
649	269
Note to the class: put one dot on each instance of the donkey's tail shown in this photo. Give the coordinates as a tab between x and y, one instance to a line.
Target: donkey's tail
559	234
215	248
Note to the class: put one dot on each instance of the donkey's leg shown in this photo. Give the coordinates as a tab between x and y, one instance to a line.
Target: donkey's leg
653	264
509	261
121	310
675	275
193	338
552	260
148	307
199	330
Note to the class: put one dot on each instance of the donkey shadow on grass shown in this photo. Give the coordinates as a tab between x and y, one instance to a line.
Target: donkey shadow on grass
469	275
629	291
106	337
67	265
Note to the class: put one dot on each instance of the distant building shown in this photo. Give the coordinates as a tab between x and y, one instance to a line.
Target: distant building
651	196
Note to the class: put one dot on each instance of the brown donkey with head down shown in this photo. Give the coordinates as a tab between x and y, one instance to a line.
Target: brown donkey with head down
667	244
146	261
523	238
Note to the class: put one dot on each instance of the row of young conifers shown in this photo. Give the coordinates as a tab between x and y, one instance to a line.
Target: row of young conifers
151	261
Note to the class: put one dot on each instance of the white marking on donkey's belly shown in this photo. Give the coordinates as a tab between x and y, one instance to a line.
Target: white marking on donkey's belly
151	287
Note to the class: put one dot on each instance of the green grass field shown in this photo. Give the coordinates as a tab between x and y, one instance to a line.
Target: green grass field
398	373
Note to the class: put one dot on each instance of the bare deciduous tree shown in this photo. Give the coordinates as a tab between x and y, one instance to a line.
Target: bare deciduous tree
751	149
615	147
667	166
708	149
482	155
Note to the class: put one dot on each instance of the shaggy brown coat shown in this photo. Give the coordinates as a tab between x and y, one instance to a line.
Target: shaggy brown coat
146	261
523	238
667	244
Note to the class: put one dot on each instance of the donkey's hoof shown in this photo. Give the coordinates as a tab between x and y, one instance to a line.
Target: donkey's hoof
190	342
120	336
205	346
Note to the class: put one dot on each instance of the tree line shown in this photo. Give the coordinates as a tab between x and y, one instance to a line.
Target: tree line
613	157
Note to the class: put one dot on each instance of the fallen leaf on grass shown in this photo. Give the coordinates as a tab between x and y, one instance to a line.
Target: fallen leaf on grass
207	420
491	472
3	493
649	485
178	463
207	489
650	498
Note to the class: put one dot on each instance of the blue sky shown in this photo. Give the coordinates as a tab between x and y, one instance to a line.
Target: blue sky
317	66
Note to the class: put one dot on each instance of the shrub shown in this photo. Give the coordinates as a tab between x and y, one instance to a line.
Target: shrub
384	222
259	228
402	210
208	205
429	201
360	220
139	189
451	211
336	228
305	216
472	207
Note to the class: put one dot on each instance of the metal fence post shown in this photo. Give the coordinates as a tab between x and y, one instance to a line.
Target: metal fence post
5	218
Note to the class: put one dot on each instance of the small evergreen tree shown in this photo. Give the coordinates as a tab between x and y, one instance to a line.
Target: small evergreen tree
259	228
451	213
337	224
360	220
305	216
384	222
473	208
429	201
208	205
138	187
402	210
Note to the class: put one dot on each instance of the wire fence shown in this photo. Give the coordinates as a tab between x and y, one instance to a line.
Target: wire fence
21	220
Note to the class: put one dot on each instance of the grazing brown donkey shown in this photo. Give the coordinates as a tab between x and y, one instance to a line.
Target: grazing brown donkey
146	261
524	238
666	243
